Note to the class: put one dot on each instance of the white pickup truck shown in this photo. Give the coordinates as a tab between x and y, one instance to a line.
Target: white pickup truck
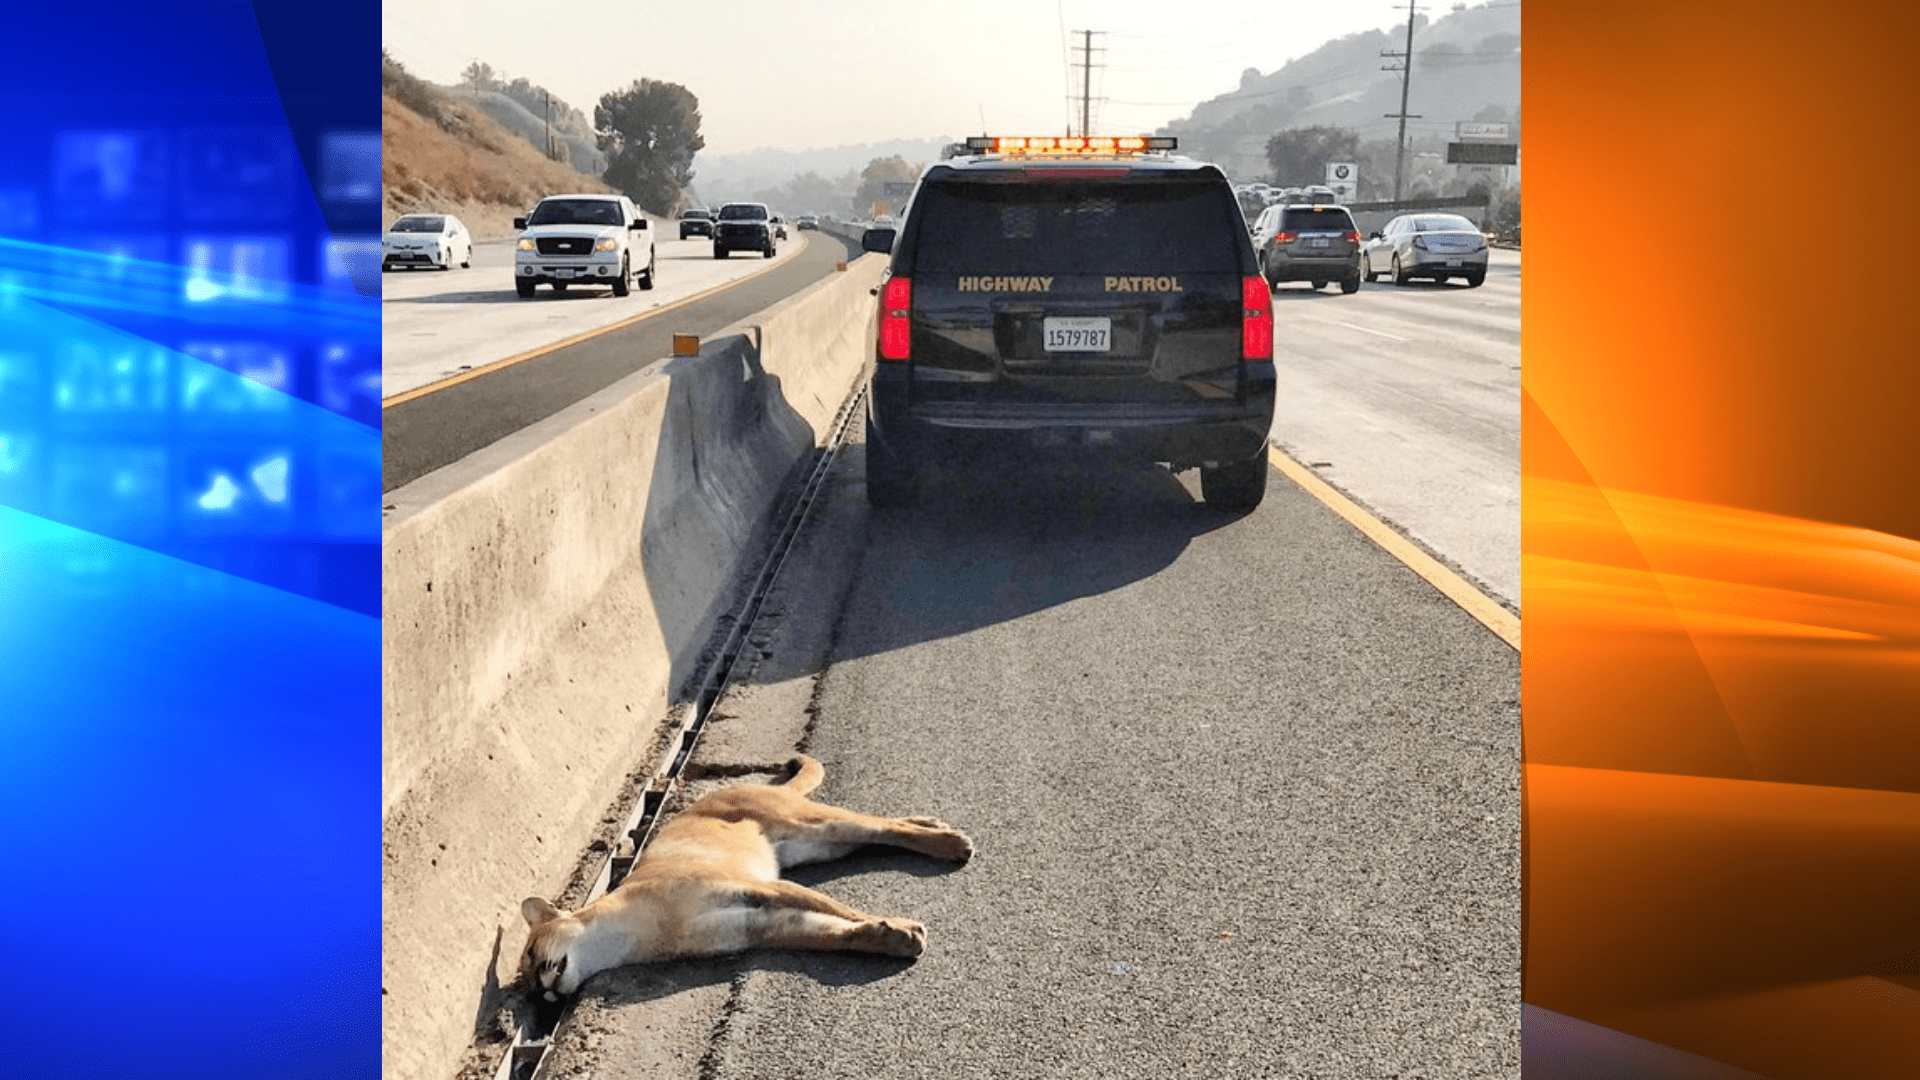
592	239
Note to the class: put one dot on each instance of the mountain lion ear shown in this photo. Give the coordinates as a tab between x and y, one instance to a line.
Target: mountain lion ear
537	911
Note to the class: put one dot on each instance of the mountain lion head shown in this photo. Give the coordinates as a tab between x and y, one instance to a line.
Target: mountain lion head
551	937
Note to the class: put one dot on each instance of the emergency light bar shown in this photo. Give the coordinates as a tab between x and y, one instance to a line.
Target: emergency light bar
1070	144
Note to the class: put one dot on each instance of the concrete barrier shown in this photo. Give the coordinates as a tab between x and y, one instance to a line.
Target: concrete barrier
544	602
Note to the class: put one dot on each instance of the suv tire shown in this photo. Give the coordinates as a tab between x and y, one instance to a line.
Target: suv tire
622	285
768	250
524	288
1474	280
1235	487
1349	286
719	252
646	282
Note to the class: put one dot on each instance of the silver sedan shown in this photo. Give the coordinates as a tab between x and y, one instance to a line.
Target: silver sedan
438	240
1436	246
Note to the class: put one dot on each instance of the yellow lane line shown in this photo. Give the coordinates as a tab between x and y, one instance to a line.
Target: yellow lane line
405	396
1504	624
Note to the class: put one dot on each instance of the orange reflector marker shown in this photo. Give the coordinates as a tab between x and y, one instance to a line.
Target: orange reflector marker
686	344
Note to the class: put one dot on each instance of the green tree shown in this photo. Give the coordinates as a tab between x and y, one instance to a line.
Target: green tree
1299	156
649	132
479	76
875	178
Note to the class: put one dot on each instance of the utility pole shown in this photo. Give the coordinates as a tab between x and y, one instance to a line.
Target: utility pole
1406	75
1086	82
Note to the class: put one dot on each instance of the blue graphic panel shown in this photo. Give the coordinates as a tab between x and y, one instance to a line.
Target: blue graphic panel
189	539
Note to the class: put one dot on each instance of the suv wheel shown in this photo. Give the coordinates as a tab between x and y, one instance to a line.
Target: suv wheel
1351	285
719	252
1236	487
1474	280
768	252
621	286
890	481
523	287
646	282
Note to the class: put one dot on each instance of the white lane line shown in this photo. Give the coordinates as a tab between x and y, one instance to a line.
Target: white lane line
1375	333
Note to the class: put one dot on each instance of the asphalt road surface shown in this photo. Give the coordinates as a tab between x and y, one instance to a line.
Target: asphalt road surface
1245	791
1408	398
421	434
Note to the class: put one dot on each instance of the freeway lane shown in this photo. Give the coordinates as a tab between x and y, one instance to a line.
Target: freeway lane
424	433
438	324
1408	398
1245	793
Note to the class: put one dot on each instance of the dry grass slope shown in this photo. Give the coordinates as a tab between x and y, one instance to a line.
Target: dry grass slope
472	167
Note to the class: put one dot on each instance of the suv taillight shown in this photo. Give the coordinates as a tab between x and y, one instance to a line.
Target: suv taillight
1285	237
1256	319
896	319
1352	237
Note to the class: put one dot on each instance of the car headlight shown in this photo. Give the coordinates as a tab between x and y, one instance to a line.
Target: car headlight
609	244
526	245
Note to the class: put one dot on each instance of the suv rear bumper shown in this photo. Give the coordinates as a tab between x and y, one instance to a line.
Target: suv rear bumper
1182	435
695	228
1294	268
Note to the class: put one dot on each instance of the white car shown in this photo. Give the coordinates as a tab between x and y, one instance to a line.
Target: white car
436	240
591	239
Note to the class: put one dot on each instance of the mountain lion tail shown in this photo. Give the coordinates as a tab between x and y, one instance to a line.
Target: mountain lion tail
807	774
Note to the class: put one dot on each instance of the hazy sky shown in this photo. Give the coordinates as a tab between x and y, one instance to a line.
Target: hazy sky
807	74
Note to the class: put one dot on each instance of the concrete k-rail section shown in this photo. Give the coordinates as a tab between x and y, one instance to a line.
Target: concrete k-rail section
544	600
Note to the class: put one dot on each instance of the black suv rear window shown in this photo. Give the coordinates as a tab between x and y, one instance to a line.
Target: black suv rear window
1045	226
1316	219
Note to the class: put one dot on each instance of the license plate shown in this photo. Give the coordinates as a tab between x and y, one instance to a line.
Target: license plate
564	271
1078	334
1453	262
1320	242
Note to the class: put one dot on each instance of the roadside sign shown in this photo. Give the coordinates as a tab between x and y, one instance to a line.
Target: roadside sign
1344	178
1481	153
1473	131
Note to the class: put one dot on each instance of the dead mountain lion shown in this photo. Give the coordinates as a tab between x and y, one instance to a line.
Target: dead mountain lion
710	884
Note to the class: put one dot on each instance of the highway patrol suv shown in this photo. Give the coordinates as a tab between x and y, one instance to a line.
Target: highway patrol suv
593	239
1049	295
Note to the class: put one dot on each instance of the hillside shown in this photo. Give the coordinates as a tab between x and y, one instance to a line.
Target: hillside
1466	66
467	165
761	174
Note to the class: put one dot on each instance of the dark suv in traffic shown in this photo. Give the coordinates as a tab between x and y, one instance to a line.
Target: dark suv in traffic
1315	243
1099	296
696	221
